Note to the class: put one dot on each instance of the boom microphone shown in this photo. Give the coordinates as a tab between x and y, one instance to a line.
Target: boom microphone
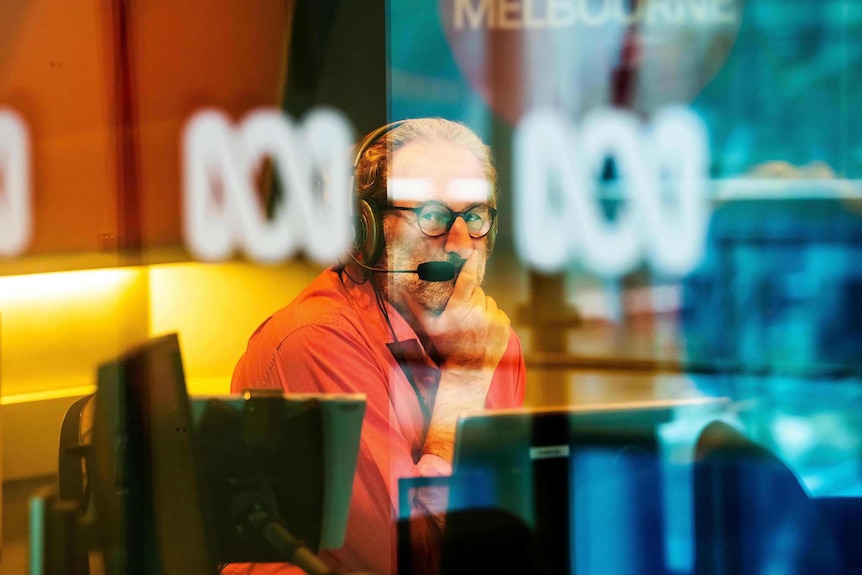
436	271
427	271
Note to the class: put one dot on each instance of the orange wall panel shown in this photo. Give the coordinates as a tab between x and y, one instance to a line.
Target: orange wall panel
55	71
105	88
186	55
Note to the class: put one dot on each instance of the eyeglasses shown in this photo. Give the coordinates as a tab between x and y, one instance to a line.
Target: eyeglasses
436	220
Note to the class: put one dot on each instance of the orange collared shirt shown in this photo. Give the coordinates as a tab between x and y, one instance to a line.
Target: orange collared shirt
333	338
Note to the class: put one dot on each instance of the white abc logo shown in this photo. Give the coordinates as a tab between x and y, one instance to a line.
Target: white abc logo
15	209
557	217
220	157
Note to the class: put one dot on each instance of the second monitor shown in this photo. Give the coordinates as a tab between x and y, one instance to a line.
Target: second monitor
589	482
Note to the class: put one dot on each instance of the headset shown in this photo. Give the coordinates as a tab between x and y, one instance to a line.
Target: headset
368	227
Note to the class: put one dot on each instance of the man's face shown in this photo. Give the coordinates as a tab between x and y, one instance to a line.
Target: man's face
423	172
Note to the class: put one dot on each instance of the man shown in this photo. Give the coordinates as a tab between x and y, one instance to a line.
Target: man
421	351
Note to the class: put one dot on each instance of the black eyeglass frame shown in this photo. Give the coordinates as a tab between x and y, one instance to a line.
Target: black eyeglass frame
492	213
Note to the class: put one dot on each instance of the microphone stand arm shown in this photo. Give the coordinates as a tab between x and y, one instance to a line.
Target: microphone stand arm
289	547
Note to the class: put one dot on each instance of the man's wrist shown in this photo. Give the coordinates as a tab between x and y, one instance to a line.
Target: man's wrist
460	389
466	376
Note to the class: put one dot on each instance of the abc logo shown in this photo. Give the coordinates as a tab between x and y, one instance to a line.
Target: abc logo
663	171
15	208
222	208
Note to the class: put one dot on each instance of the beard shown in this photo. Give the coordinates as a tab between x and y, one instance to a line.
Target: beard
402	254
431	296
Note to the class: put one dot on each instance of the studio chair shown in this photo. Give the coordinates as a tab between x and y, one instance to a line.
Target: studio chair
466	537
59	541
73	491
488	541
751	514
75	439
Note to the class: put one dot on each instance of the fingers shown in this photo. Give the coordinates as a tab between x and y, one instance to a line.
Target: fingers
505	321
500	317
468	280
490	304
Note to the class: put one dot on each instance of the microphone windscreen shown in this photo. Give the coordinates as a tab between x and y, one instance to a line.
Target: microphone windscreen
436	271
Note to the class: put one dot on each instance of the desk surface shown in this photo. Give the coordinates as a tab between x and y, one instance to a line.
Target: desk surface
608	363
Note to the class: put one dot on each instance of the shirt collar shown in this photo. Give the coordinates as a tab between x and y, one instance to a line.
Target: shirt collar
405	338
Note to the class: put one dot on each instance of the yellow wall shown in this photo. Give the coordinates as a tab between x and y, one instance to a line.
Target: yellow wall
215	308
55	329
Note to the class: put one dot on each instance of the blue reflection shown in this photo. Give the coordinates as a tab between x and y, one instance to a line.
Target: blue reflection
618	512
772	317
606	491
751	514
788	90
777	291
694	495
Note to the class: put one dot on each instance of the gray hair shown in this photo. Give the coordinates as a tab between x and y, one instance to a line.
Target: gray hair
372	170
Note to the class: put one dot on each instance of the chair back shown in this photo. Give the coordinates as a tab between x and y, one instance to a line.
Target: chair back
751	513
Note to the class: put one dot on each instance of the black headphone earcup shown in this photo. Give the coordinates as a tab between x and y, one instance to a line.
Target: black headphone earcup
368	225
368	232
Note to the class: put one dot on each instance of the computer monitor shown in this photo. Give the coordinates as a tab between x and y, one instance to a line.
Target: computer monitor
292	455
180	486
145	489
588	481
